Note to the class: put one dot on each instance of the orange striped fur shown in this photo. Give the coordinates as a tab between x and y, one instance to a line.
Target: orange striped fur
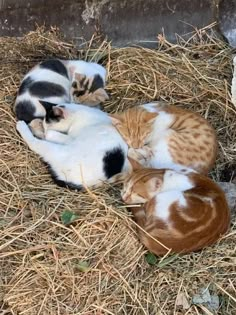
173	135
185	211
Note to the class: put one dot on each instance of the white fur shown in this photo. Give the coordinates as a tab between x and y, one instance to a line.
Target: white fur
176	181
174	184
164	200
78	160
161	156
87	68
162	124
158	139
150	107
154	107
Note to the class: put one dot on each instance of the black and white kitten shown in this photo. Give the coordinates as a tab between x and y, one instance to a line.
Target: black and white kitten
59	81
81	146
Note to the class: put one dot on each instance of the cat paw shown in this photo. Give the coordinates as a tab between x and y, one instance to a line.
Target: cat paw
133	153
145	153
21	126
24	130
37	129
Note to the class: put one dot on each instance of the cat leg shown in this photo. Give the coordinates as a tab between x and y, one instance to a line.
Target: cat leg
57	137
139	215
41	147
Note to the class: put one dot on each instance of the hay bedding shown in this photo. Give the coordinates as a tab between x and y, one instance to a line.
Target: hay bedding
40	258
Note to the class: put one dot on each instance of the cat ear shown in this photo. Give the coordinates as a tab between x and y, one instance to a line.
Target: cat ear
47	105
59	111
149	117
135	164
100	95
116	119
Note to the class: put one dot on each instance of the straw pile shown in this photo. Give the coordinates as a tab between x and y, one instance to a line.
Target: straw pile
97	265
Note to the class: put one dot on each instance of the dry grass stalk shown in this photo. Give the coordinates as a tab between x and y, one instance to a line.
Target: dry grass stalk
40	257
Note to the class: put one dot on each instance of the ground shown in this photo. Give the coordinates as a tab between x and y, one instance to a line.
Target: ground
96	265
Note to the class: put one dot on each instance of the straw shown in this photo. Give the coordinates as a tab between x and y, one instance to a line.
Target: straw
43	262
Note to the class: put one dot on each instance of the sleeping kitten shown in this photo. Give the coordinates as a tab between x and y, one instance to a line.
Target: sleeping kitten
81	146
185	211
168	137
52	81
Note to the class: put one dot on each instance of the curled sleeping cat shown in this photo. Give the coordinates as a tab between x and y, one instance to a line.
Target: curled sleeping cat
58	81
167	136
81	146
185	211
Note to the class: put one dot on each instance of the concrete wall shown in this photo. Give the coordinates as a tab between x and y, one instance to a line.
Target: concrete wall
122	21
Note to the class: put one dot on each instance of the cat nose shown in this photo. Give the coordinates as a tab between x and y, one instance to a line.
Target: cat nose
123	197
126	198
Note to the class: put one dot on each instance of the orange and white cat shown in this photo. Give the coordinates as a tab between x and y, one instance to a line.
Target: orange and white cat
185	211
168	136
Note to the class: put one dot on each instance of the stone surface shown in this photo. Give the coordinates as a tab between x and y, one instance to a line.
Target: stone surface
227	20
230	192
122	21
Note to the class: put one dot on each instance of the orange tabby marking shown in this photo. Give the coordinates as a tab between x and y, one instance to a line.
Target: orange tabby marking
176	136
184	211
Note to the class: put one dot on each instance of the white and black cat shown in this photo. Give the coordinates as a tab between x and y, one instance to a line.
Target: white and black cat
59	81
81	146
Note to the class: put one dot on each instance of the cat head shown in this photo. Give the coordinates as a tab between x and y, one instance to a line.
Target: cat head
134	125
88	90
58	117
142	184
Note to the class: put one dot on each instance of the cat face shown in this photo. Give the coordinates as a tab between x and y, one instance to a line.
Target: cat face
88	90
57	118
142	184
134	125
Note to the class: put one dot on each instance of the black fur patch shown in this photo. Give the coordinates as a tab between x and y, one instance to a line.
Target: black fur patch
47	105
25	111
56	66
60	182
74	85
25	85
96	84
50	116
113	162
43	89
79	93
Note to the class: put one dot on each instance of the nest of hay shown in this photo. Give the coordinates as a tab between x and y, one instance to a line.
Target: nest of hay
97	265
